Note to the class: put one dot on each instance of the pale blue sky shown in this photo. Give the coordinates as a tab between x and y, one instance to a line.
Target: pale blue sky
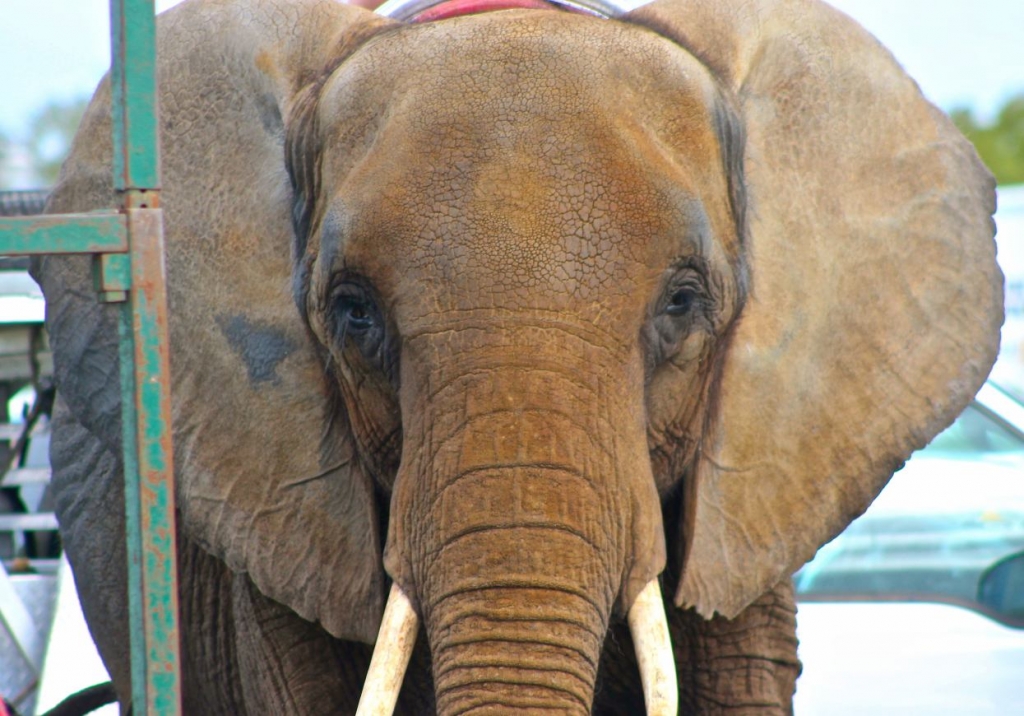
962	53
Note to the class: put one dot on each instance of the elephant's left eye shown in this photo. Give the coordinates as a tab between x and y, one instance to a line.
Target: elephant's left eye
682	302
687	296
687	306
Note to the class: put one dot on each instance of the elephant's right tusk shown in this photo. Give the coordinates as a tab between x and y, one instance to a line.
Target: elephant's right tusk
395	641
649	628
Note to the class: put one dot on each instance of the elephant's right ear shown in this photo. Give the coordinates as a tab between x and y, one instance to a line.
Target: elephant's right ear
267	476
876	300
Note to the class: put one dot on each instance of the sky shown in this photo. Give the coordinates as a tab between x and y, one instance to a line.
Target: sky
961	53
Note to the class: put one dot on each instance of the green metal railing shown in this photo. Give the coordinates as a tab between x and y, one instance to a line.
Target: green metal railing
129	262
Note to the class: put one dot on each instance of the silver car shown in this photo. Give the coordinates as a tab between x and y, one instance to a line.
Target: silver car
918	607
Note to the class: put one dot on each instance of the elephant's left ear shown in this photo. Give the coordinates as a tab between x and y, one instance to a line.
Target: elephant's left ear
876	301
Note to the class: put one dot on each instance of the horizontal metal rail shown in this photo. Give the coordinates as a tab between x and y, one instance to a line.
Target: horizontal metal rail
21	476
105	232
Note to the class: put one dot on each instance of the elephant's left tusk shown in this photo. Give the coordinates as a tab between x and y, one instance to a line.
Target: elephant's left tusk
395	641
653	646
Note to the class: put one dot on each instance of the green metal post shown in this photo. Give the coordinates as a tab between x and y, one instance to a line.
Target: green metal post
145	381
149	487
137	281
133	85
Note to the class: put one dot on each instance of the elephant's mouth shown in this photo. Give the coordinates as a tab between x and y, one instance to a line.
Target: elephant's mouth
431	10
647	625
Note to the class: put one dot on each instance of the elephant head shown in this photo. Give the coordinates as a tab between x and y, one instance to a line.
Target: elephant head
522	310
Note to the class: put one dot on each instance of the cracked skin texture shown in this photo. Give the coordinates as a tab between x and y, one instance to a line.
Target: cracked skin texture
583	361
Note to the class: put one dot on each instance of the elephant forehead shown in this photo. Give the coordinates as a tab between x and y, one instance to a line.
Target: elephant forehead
586	233
523	158
484	80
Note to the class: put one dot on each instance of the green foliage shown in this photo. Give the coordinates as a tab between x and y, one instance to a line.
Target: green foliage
50	133
999	143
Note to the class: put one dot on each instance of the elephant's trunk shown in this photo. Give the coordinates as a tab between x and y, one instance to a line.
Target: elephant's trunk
516	592
524	512
517	599
397	637
513	649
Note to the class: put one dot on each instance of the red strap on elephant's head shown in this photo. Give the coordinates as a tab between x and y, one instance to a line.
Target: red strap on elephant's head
420	11
454	8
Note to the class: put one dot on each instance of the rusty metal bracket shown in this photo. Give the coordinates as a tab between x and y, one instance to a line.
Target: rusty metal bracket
112	277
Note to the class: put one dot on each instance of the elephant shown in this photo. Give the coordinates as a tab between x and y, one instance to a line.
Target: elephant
562	341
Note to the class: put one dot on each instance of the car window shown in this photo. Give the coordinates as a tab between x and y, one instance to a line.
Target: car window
956	509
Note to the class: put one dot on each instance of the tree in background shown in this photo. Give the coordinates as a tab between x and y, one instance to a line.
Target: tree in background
50	133
999	143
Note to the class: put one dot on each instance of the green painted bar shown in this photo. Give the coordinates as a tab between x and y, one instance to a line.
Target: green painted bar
153	592
133	82
64	234
143	350
156	474
133	533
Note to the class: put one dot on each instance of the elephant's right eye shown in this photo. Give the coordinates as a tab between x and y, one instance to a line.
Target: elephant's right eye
355	315
356	319
359	329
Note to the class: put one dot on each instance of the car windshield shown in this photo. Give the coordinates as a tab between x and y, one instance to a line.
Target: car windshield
955	510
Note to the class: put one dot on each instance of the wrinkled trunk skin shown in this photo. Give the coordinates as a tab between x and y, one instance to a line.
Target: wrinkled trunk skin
517	593
493	654
522	520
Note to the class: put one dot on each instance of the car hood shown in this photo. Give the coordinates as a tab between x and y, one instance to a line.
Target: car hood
907	658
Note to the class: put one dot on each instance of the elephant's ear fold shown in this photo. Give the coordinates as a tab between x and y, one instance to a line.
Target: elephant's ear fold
876	299
267	477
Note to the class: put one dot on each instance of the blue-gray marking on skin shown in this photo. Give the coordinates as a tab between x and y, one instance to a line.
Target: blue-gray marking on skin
262	347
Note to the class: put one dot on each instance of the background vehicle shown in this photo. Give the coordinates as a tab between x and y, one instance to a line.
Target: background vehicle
918	607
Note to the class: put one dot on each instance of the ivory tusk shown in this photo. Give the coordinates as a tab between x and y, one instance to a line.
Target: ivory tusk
653	646
395	641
